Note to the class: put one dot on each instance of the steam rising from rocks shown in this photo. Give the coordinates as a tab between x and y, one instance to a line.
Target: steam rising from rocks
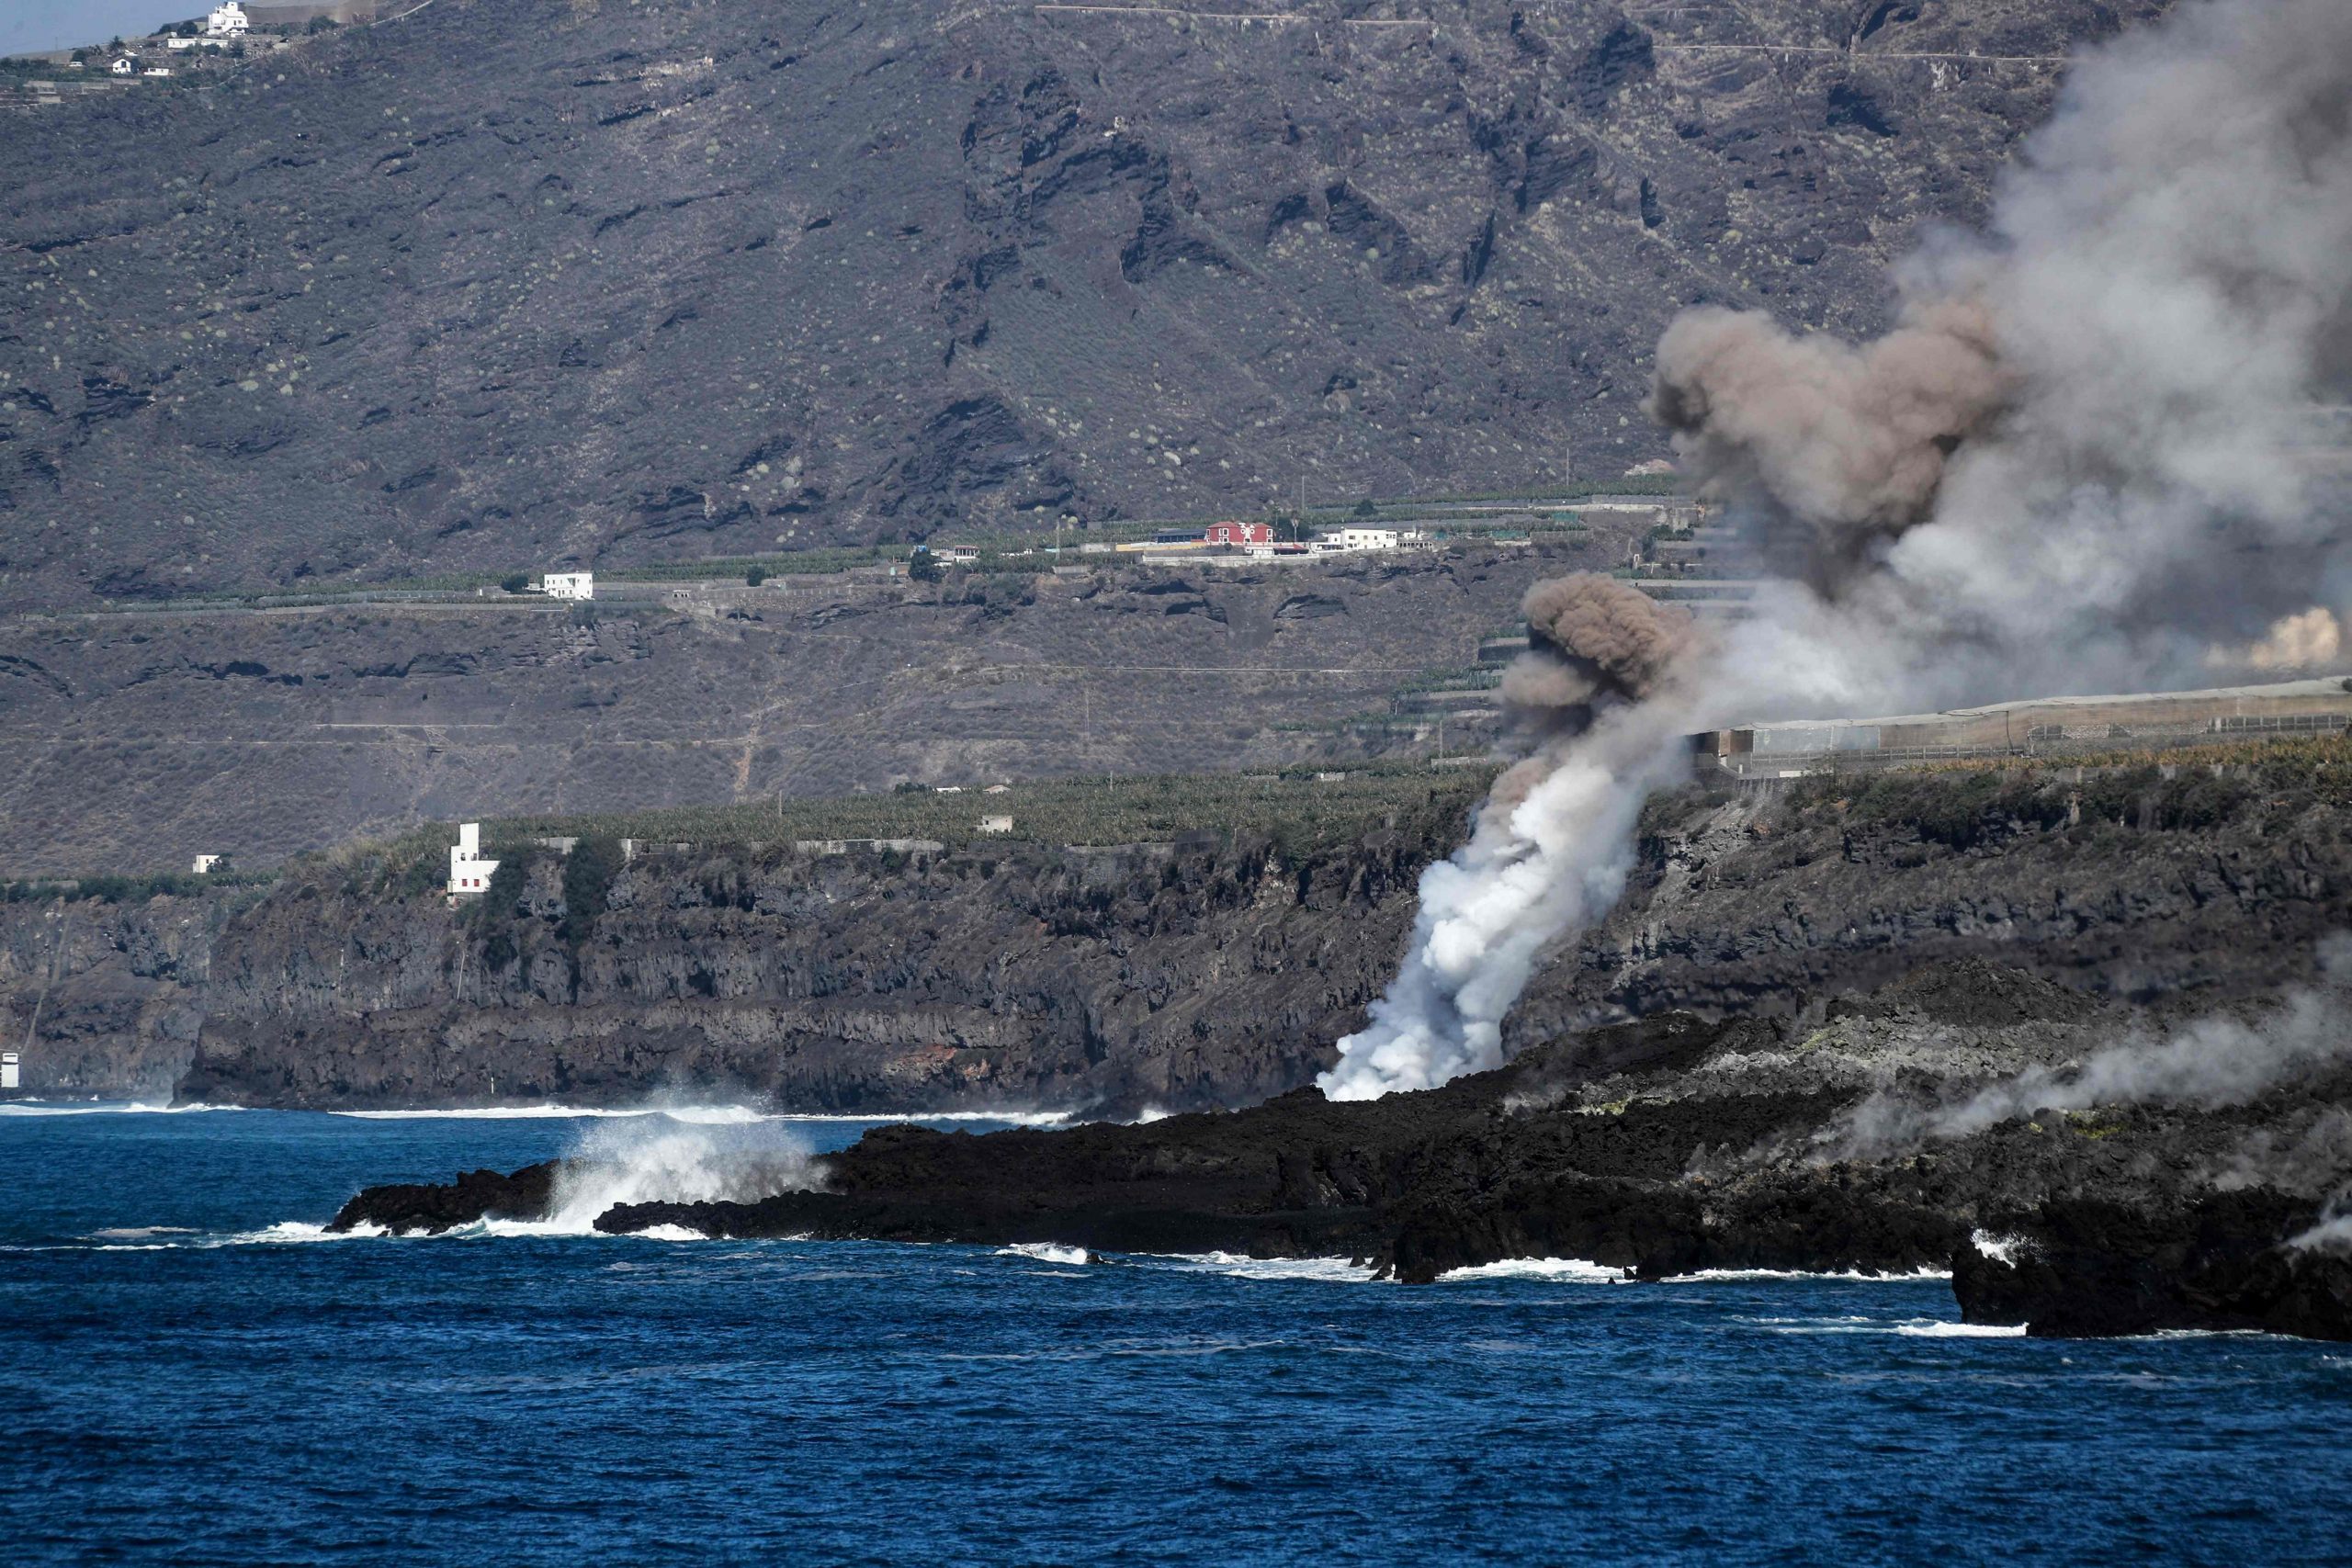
2080	462
2214	1062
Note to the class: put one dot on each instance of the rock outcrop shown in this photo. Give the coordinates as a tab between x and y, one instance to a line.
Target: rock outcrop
1662	1147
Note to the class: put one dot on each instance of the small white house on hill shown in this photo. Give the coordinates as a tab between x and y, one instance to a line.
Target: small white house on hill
228	20
469	874
569	584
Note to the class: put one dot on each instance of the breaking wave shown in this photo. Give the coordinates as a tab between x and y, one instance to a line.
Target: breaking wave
103	1108
1046	1252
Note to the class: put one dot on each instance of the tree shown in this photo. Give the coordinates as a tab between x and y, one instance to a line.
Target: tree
1364	508
588	872
515	582
322	25
756	576
924	567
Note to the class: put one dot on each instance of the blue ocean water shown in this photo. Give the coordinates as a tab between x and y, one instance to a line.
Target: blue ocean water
185	1377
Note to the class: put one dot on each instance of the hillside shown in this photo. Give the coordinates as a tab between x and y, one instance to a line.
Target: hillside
509	283
143	739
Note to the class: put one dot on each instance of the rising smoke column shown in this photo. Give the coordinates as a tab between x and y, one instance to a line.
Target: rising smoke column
1553	842
2067	468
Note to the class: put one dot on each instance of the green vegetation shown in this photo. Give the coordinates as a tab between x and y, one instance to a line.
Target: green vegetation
110	888
588	872
1963	803
1298	811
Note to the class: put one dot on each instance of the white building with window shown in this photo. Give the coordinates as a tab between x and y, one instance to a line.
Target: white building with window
469	874
228	20
124	67
569	584
1367	539
206	864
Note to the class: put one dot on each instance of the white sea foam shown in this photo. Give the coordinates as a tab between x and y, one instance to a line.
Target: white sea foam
293	1231
1045	1252
1334	1269
1918	1327
139	1233
1999	1248
1572	1270
103	1108
1937	1328
670	1233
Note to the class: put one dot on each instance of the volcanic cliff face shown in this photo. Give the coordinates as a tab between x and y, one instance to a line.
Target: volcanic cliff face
1141	976
507	283
1207	975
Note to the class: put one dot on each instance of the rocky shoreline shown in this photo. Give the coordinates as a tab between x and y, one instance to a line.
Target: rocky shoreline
1663	1146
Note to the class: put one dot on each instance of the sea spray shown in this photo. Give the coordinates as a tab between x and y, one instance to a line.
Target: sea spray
659	1160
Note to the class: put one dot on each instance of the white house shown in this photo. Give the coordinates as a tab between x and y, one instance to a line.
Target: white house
1367	539
228	20
469	872
206	863
124	67
996	825
156	70
569	584
8	1069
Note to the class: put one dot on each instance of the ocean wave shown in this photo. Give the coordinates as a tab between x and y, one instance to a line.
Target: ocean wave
287	1232
1046	1252
103	1108
1917	1327
1235	1266
139	1232
1568	1268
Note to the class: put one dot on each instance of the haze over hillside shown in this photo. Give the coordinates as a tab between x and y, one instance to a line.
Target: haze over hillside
543	281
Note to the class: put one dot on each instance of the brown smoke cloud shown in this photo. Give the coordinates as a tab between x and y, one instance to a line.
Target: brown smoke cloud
1850	440
1592	640
1604	629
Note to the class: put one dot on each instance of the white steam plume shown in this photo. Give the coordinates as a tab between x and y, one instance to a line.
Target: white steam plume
2216	1061
2081	462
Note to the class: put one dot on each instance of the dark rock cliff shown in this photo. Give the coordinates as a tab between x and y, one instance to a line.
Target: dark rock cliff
1154	976
1014	978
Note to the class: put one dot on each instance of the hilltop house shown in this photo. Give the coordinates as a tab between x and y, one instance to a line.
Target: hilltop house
569	584
124	65
228	20
1239	534
469	874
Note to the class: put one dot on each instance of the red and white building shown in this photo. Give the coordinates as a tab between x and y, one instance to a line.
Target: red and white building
1240	535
